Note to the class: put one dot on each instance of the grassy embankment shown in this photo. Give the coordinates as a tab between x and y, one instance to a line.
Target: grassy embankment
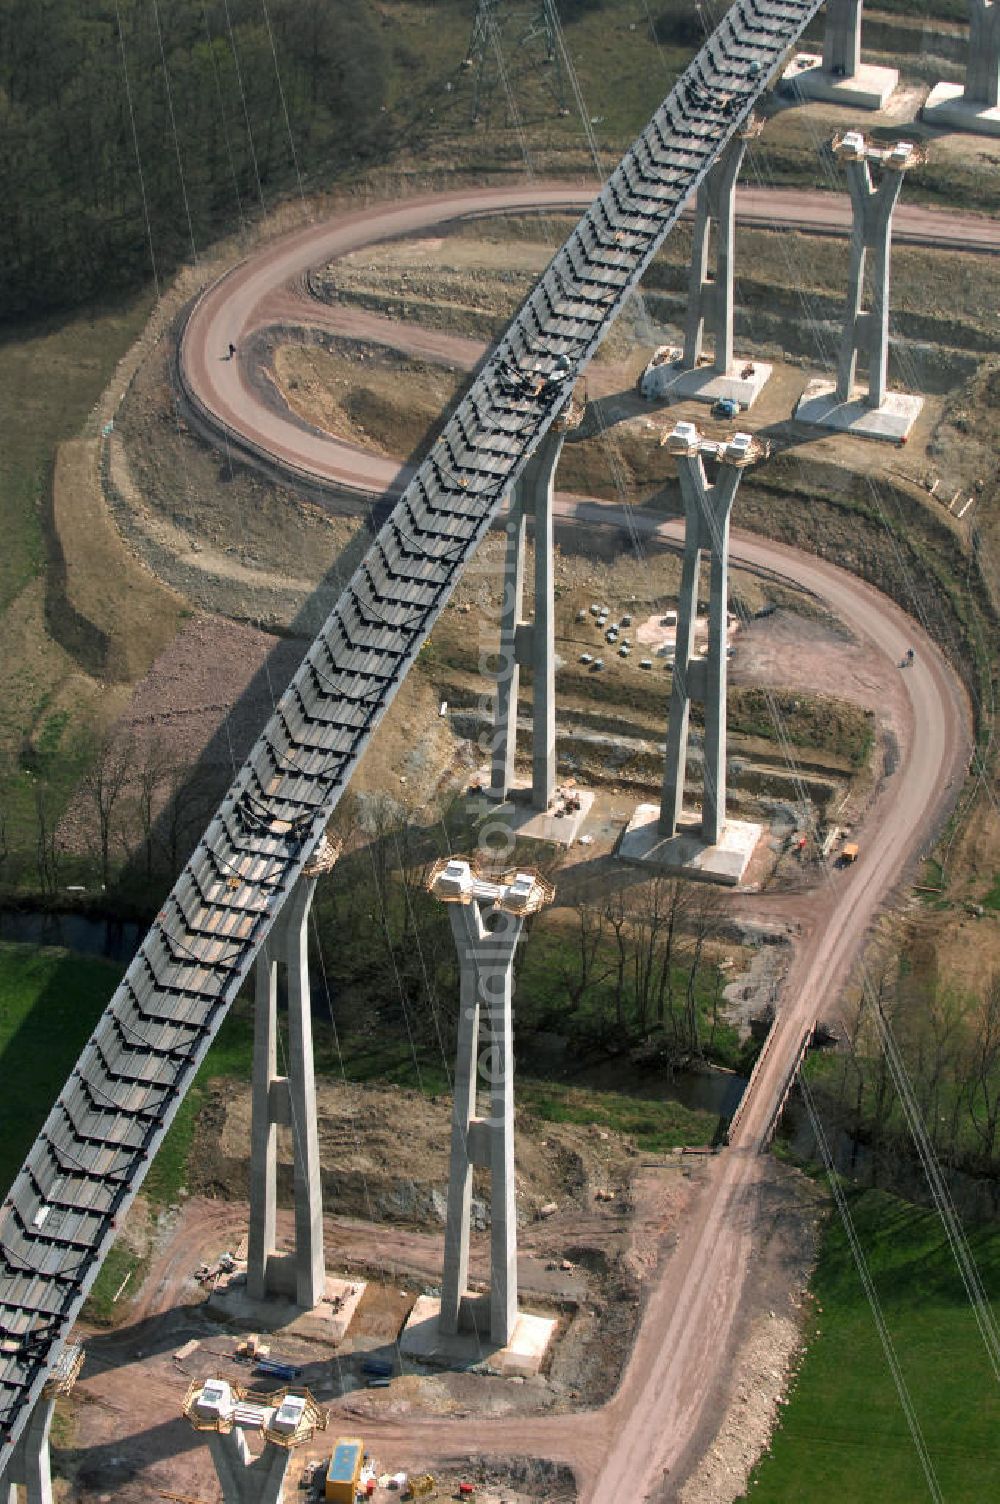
843	1435
50	378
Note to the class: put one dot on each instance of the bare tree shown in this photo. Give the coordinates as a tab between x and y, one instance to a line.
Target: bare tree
703	921
48	853
617	917
103	785
983	1089
676	895
589	967
150	774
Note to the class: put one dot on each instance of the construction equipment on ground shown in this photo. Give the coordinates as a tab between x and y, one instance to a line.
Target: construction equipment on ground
343	1471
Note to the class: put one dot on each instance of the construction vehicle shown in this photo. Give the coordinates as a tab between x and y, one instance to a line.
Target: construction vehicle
423	1486
849	854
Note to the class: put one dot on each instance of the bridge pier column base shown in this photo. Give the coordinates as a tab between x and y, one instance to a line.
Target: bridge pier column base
246	1479
838	76
974	107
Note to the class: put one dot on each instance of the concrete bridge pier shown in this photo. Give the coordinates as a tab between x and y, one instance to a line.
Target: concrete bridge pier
30	1465
874	412
707	510
974	106
244	1478
866	333
712	294
286	1097
710	847
484	1057
528	643
838	76
487	918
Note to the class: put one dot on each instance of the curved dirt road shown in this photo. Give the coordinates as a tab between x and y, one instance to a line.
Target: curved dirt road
685	1342
266	289
655	1424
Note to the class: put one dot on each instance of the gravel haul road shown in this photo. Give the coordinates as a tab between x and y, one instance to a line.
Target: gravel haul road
267	289
647	1434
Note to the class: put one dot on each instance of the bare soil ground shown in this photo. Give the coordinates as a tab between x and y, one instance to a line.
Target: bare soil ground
376	1172
121	1433
224	536
354	392
588	1263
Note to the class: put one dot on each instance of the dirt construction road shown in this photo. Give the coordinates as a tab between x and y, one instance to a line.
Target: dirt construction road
267	289
662	1413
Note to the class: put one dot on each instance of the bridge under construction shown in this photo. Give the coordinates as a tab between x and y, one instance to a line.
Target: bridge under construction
63	1210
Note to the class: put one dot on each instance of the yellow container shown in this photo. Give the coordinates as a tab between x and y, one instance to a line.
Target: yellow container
344	1470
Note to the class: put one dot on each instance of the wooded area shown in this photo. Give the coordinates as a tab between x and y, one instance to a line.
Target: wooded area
196	113
945	1044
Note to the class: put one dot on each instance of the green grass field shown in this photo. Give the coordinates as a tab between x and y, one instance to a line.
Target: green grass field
51	376
49	1003
843	1438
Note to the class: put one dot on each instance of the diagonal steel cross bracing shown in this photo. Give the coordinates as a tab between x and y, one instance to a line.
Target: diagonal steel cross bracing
93	1151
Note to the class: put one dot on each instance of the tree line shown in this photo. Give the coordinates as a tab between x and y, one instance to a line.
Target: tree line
129	131
630	969
948	1042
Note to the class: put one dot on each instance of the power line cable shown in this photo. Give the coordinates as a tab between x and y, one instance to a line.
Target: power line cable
173	129
284	103
871	1293
243	99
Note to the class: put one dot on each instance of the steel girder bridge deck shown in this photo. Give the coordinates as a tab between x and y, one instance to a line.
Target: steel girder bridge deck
89	1159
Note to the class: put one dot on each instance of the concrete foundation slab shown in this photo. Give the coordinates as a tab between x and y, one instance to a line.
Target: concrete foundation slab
561	829
867	89
686	853
820	405
326	1322
947	106
522	1357
705	384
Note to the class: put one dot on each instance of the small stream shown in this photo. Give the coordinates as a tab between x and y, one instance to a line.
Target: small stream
113	939
707	1088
